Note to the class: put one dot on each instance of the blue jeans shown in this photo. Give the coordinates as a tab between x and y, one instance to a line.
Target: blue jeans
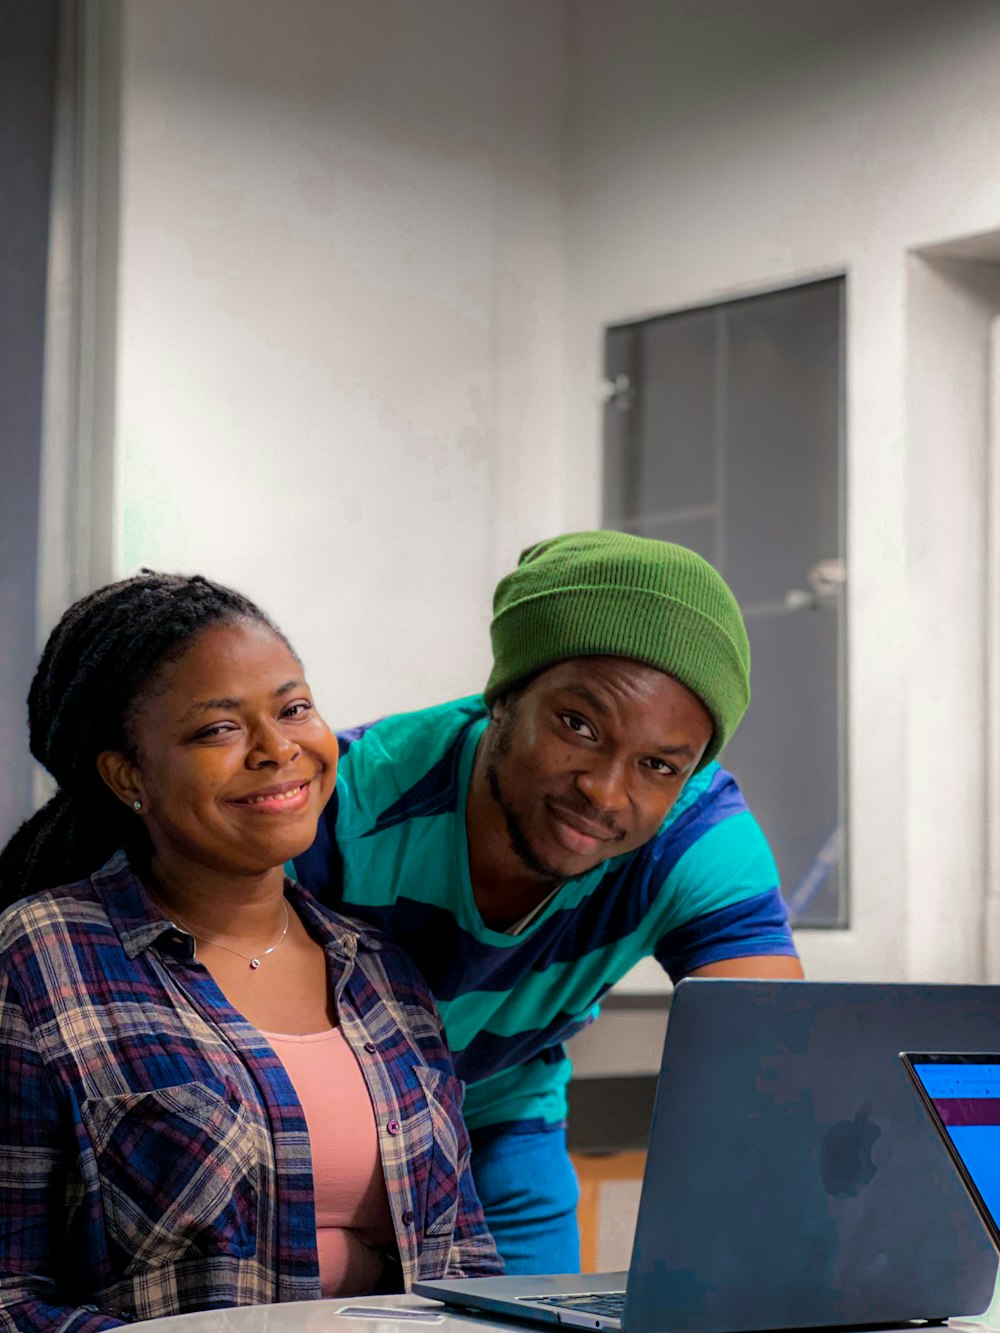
529	1193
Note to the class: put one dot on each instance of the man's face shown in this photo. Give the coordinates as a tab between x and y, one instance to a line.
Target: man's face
586	761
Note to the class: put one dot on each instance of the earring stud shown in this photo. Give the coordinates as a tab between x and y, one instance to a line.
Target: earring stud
137	805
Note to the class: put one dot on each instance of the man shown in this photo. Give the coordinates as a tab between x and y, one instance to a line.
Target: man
528	846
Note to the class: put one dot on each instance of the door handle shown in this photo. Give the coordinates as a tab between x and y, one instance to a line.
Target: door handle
826	580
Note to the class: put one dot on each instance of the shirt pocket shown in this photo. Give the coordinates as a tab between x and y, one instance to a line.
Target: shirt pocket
178	1175
448	1149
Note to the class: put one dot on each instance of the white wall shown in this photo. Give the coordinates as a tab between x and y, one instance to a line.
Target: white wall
369	248
952	307
339	317
717	148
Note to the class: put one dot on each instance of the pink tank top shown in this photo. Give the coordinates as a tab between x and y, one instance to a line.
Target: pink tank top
353	1222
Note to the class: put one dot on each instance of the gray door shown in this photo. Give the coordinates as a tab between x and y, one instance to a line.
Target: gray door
723	431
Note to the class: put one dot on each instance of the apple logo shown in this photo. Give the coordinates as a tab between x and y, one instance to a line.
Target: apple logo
845	1160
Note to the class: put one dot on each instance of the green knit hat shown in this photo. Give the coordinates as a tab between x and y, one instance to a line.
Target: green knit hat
612	594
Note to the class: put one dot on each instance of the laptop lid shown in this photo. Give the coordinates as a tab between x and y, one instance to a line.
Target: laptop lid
961	1094
792	1179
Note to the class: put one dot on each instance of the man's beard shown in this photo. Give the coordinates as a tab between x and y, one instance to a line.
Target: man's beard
520	844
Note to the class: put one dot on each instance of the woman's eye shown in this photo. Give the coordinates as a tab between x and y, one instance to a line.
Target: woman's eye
578	726
217	729
298	708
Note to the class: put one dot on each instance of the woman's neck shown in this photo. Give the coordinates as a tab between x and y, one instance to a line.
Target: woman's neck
219	903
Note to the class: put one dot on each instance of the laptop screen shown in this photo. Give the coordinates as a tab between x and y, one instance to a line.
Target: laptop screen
964	1093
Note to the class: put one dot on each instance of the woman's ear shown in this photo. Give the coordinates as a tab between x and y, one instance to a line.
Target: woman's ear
122	776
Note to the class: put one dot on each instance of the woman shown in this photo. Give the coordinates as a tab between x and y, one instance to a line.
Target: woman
214	1092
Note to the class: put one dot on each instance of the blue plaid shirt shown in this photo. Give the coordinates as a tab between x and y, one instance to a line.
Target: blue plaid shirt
154	1158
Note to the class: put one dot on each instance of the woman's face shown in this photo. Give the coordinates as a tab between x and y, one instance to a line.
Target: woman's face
233	762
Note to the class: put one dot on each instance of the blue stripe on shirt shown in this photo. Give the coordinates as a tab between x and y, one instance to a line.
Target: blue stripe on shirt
757	925
435	794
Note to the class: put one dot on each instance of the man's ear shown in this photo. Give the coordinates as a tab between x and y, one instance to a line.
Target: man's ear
499	709
122	776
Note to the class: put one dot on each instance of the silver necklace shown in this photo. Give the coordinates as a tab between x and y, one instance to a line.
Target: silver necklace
252	959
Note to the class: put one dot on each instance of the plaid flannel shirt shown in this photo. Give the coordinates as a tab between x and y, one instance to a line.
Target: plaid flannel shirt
154	1158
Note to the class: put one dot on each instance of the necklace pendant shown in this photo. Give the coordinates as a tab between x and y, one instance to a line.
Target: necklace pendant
254	964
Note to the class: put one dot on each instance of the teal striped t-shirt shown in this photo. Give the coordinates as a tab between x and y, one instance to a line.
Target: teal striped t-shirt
391	849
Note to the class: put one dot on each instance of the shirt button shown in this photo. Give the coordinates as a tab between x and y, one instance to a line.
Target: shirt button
393	1126
407	1218
370	1047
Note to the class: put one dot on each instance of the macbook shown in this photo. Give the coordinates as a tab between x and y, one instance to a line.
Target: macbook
792	1178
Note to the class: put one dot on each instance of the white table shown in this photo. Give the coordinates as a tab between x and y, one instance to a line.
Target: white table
322	1317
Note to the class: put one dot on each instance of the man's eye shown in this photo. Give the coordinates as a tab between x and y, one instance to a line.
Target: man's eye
661	766
578	726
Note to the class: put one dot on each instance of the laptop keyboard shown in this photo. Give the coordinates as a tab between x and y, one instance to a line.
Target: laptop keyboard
600	1302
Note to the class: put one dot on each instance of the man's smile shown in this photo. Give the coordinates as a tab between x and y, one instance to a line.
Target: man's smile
580	835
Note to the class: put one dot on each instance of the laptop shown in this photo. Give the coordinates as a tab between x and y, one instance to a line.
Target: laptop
792	1179
961	1094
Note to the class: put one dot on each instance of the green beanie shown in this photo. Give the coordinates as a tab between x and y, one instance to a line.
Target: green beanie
612	594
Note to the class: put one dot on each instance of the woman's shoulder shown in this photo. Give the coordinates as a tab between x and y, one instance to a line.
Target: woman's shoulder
37	910
65	911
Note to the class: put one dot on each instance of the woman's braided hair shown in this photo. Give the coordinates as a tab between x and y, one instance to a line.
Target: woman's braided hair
99	663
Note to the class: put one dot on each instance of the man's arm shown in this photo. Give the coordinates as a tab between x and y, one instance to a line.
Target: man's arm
763	966
727	917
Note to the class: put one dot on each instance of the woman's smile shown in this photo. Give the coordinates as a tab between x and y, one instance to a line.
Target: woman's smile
284	798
